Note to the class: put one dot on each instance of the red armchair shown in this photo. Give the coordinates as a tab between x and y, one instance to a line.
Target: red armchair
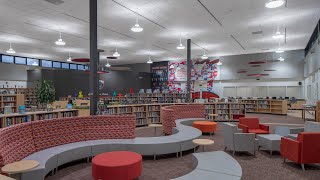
252	125
304	150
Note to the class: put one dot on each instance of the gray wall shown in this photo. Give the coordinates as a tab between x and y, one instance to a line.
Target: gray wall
69	82
12	72
291	68
121	81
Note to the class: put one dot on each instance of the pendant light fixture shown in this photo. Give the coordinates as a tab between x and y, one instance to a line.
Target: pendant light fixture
116	54
149	61
180	47
69	58
204	56
274	3
108	65
60	42
137	27
34	63
10	50
281	58
279	50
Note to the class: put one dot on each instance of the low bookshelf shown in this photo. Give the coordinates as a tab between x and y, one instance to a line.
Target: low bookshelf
12	101
16	118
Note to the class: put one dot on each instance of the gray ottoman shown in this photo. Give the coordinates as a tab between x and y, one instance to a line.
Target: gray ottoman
270	142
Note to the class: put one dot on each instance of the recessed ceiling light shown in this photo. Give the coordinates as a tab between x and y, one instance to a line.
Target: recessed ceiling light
116	54
60	42
34	63
137	27
219	63
11	50
108	65
274	3
278	35
281	59
180	47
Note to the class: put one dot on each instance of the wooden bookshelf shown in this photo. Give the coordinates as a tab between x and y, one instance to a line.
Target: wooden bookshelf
30	96
16	118
11	100
269	106
318	111
224	111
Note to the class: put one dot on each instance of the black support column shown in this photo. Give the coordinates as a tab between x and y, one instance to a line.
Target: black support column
189	64
93	83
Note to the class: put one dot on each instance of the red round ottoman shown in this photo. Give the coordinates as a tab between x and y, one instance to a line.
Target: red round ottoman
117	165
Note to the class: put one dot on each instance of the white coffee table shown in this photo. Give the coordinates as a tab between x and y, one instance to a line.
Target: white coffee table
270	142
202	142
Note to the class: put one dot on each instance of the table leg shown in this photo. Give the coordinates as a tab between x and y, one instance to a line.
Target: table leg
202	148
16	176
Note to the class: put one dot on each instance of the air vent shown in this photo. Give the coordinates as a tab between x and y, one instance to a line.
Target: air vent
55	2
257	32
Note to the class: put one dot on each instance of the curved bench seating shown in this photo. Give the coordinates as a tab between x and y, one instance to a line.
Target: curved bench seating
53	157
214	165
170	113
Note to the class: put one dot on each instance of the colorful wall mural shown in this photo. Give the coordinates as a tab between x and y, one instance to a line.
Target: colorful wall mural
203	74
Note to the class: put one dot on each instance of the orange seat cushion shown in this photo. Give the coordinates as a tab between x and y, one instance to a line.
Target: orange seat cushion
258	131
205	126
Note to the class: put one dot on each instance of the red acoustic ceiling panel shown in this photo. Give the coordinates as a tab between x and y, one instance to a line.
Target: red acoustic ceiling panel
257	62
82	60
255	65
242	71
258	75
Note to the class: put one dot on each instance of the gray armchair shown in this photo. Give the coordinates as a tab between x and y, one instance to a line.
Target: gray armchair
237	141
308	127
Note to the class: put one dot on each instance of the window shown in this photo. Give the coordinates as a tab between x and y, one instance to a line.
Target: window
56	64
7	59
20	60
73	66
80	67
46	63
65	65
86	67
32	62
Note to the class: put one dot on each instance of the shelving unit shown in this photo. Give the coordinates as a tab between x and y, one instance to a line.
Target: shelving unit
270	106
159	77
16	118
30	97
318	111
12	101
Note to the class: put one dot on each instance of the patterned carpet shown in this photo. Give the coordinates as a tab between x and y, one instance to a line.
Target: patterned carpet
262	167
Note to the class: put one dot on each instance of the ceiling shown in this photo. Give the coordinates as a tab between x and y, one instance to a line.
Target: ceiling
221	27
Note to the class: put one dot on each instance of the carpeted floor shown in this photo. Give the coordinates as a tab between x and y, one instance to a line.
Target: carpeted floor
260	167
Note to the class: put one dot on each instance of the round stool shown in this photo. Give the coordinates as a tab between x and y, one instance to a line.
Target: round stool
205	126
117	165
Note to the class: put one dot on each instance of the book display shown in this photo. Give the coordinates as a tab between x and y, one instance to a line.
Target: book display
159	77
9	103
30	96
16	118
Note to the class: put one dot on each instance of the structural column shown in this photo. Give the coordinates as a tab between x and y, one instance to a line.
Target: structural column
93	82
189	64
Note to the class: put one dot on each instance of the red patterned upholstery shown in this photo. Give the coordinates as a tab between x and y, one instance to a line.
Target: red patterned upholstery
50	133
19	141
171	113
16	142
110	127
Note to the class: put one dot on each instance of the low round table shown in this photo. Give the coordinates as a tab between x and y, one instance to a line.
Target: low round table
205	126
202	142
117	165
15	169
155	127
